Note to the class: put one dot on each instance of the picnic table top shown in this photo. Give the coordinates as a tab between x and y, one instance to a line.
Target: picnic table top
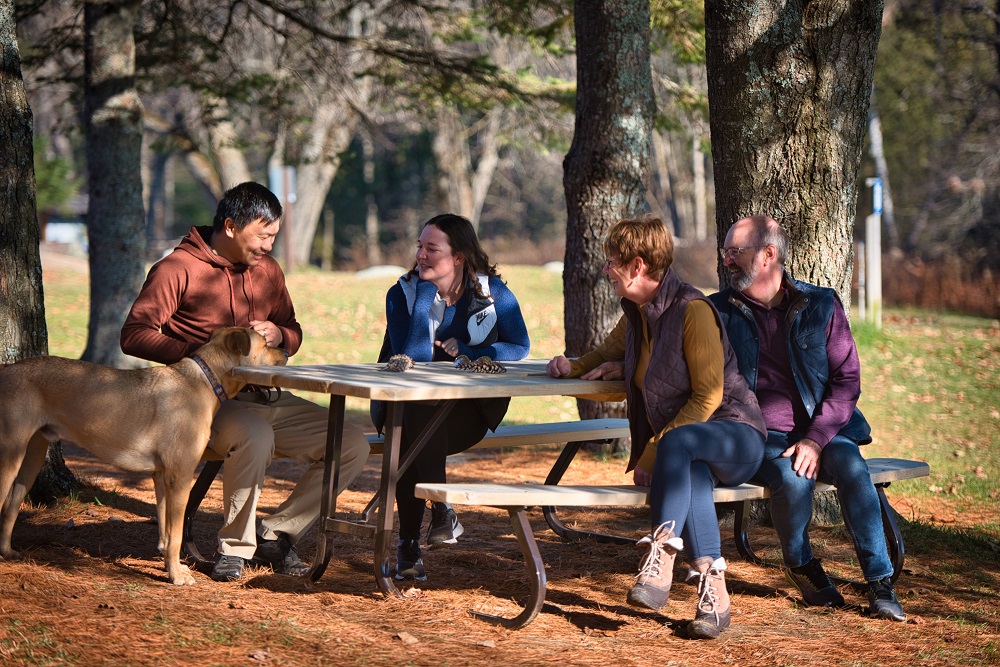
437	380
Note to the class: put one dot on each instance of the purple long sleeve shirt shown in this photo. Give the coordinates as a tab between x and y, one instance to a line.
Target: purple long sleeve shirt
777	394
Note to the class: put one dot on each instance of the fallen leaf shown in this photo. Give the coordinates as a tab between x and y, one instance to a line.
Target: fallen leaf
260	656
406	638
489	643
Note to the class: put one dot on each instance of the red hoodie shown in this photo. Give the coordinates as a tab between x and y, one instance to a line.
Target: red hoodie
192	292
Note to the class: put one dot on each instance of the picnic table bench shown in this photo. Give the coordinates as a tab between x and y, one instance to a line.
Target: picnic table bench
518	498
574	433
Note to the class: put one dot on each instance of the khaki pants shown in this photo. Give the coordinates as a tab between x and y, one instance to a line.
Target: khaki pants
248	433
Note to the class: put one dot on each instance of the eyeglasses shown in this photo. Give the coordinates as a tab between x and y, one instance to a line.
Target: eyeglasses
733	253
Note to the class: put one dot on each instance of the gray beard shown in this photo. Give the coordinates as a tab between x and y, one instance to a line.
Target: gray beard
742	280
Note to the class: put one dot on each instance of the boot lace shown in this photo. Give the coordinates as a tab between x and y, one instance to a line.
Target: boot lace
652	564
706	592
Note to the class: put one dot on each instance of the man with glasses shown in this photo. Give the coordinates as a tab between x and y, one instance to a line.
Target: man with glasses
794	347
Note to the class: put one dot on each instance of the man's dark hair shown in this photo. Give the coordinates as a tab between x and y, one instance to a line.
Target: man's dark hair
246	203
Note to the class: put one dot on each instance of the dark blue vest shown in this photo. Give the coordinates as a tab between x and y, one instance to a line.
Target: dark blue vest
809	313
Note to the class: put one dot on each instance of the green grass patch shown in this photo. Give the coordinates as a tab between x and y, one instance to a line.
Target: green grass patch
930	386
32	644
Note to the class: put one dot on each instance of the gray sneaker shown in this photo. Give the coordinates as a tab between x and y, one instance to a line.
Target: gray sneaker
882	601
409	561
444	527
228	568
280	556
815	586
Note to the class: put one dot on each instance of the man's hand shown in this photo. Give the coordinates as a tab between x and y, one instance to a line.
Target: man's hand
269	330
609	370
641	477
805	457
559	367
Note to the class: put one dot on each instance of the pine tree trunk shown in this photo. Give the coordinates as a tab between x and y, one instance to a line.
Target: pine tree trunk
23	332
22	309
605	171
789	90
115	220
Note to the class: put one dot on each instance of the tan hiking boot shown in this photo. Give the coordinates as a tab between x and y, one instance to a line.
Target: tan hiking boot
656	572
712	614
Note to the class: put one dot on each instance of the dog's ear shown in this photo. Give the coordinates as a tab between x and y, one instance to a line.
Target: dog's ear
238	342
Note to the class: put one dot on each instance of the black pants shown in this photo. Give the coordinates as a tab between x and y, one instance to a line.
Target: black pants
464	426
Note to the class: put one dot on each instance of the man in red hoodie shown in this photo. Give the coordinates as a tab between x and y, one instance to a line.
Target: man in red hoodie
223	276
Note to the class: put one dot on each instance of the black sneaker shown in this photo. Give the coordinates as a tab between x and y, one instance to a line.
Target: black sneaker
227	568
815	586
882	601
444	528
280	556
409	563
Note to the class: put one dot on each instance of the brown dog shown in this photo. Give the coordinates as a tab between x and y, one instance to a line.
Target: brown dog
156	420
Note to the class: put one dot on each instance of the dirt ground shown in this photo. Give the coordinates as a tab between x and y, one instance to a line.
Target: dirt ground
91	591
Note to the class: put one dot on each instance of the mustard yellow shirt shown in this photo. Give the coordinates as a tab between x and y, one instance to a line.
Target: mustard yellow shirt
702	343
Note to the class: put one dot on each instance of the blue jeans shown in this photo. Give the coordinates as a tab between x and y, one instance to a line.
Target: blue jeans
690	461
842	465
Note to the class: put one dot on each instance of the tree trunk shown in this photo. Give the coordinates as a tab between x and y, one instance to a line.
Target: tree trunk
373	246
22	309
661	198
605	171
789	90
876	149
225	142
115	220
332	130
23	332
462	182
700	194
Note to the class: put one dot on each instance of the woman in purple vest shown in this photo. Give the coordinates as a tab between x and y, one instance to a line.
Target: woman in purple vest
693	420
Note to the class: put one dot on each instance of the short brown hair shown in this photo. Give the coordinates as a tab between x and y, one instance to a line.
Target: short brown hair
645	237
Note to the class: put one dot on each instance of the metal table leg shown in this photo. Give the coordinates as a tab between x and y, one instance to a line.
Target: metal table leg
555	523
331	478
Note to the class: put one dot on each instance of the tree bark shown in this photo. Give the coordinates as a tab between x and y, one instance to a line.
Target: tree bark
605	170
115	220
23	332
22	309
789	91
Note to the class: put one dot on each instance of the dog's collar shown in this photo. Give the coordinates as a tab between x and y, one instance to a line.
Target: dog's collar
212	380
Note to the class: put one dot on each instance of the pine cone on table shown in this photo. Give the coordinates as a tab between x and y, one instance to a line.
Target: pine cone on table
398	363
481	365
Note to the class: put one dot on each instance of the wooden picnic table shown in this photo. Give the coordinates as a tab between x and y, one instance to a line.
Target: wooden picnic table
440	382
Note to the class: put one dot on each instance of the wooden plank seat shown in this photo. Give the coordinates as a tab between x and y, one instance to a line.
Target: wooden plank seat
517	498
574	433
